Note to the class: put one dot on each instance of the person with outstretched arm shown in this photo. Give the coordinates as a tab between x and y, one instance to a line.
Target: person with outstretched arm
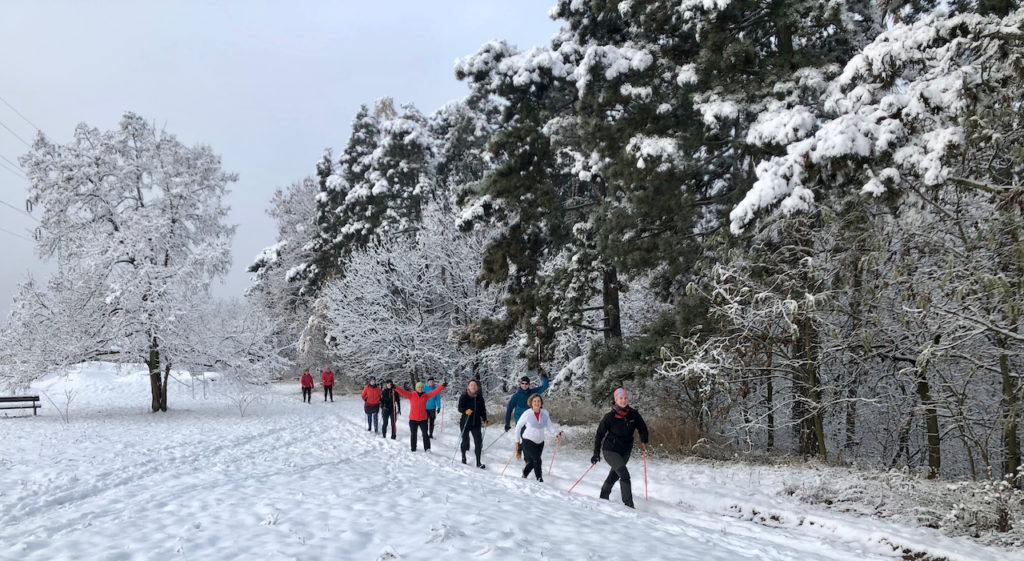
519	402
418	412
474	414
433	405
615	438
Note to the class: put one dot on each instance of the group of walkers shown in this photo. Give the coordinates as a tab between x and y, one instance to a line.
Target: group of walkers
614	436
326	380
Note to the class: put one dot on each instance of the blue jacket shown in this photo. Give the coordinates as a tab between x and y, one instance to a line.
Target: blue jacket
517	404
434	402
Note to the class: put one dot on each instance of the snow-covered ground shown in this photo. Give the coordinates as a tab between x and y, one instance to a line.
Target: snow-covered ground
291	480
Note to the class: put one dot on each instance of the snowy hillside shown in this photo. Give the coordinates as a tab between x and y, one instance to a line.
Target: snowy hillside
291	480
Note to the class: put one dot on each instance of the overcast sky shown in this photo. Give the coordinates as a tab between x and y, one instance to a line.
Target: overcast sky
268	85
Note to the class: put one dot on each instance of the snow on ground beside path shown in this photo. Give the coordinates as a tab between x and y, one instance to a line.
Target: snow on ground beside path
291	480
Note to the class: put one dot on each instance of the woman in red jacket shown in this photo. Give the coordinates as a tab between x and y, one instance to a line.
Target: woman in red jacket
418	412
371	404
327	379
307	387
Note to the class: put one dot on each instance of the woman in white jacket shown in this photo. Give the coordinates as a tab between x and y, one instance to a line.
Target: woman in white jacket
530	434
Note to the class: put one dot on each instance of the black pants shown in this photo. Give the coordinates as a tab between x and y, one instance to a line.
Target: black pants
307	395
385	418
422	426
477	441
531	454
618	473
431	415
329	390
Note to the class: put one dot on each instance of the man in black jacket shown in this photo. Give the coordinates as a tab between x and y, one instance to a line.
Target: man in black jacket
390	407
615	437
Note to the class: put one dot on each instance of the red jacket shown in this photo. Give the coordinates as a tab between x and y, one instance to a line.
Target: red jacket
418	402
307	380
371	395
327	378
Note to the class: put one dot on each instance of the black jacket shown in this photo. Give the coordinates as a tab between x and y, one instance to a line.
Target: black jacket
616	433
386	397
477	405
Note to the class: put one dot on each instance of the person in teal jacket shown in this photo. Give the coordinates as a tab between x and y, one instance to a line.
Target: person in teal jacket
433	405
518	403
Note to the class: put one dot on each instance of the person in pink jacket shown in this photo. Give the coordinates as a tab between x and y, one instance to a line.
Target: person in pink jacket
327	379
418	412
307	386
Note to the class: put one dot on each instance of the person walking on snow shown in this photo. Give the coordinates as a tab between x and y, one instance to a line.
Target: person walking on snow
474	413
307	386
371	405
327	379
530	435
433	406
519	402
390	408
418	412
615	437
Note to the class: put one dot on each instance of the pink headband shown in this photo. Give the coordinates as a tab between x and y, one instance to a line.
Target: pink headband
622	392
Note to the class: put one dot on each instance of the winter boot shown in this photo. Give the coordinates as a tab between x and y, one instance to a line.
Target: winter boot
627	492
463	457
606	490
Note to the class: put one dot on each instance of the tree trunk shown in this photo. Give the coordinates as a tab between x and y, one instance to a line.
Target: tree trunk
1012	411
807	405
931	419
158	387
610	296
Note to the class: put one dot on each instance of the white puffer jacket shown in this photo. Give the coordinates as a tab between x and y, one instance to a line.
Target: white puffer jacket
534	428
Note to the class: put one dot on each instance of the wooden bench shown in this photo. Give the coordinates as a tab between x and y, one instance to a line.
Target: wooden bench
25	401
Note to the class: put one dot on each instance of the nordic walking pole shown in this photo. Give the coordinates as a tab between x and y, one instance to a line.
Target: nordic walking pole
493	441
551	464
509	460
645	471
442	411
581	477
461	436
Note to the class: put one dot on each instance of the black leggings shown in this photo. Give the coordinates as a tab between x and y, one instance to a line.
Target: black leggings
307	394
531	453
385	418
618	473
477	441
422	425
431	415
329	390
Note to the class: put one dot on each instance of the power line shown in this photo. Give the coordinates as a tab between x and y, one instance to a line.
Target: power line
14	233
7	204
15	164
19	114
10	130
12	170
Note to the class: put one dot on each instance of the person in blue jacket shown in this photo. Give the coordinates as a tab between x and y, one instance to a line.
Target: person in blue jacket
433	405
519	402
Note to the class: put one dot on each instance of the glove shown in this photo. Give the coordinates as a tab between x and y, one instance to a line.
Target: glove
596	458
469	412
508	427
487	423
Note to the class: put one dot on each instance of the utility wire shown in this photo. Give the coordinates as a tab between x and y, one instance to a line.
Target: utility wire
17	235
15	164
9	205
19	114
10	130
12	170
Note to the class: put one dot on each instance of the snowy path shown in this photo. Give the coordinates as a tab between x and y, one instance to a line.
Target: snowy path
297	481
